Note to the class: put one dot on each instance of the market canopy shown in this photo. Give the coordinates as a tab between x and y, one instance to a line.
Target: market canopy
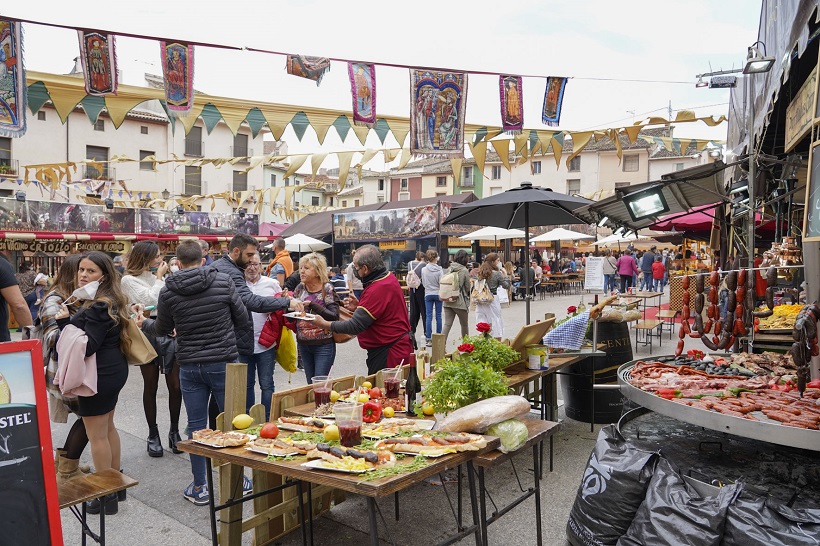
561	234
303	243
492	232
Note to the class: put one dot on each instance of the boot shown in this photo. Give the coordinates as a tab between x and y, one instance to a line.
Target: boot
154	443
84	468
67	469
173	438
110	502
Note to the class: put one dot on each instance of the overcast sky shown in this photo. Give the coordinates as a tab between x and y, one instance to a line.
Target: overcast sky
598	43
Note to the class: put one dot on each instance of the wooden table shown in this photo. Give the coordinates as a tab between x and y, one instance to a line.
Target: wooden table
645	296
88	487
298	476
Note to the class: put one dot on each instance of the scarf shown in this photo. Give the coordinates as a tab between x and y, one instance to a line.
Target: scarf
373	276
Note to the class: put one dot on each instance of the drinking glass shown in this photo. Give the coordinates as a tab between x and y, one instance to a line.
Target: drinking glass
392	382
321	389
349	420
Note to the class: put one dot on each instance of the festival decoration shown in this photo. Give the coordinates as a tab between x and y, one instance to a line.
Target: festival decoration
12	80
363	89
99	59
512	103
553	97
437	110
178	70
312	68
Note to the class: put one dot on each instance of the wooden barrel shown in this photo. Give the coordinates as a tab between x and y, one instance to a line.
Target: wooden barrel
576	388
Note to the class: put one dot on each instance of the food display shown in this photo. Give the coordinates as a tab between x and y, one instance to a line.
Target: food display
782	318
805	344
433	445
217	438
302	424
387	428
349	459
279	448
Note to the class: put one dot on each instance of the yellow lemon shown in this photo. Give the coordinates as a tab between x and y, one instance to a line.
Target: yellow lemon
367	385
363	397
242	421
428	409
331	432
334	396
388	412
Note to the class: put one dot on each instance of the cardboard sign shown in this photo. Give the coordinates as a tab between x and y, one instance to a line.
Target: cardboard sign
594	273
28	485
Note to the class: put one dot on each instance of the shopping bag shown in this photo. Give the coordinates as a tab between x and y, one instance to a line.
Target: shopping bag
140	351
286	351
502	295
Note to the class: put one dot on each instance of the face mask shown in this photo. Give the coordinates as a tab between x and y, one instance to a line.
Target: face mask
87	292
174	268
153	269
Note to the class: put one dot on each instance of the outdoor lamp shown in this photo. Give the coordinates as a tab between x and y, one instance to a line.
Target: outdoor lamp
757	63
109	203
21	195
646	203
603	221
180	210
241	211
165	194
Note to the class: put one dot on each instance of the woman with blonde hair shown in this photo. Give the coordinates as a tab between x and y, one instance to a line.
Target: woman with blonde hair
317	349
495	277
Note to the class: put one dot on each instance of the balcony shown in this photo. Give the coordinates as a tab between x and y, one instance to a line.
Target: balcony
193	147
8	168
107	173
243	152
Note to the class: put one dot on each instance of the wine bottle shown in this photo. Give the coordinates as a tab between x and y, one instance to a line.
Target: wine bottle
412	391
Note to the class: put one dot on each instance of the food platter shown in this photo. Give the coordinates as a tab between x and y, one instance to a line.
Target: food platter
299	316
763	429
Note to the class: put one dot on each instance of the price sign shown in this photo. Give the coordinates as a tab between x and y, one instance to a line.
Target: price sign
594	273
28	486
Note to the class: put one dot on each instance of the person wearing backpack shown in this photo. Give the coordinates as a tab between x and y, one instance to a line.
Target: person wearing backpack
456	307
494	277
430	278
417	305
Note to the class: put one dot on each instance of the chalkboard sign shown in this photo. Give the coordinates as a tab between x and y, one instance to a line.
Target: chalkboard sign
594	273
811	221
28	487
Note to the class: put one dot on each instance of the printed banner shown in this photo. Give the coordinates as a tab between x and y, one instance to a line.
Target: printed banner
385	225
437	111
12	80
312	68
197	223
553	97
63	217
178	70
512	103
363	89
99	59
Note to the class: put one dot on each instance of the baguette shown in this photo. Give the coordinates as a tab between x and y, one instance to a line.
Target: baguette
480	416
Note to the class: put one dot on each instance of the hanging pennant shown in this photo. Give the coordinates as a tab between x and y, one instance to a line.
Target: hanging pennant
512	104
437	110
99	60
178	70
312	68
12	80
553	97
363	89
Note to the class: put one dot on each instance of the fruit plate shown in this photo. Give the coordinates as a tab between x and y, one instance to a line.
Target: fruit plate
319	464
299	316
264	451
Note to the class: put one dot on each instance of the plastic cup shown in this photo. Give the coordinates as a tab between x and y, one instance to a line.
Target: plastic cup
321	389
392	382
349	421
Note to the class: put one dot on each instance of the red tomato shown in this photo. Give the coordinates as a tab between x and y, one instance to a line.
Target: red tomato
269	430
375	393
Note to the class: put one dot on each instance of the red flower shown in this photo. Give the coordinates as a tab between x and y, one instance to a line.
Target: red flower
466	348
483	327
571	309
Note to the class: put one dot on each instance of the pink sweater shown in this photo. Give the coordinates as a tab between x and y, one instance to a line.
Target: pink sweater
627	266
76	373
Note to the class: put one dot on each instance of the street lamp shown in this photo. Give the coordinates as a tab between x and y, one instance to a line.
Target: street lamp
755	62
165	194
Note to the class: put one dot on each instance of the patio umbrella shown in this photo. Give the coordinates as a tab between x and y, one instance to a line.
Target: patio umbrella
522	208
561	234
304	243
495	232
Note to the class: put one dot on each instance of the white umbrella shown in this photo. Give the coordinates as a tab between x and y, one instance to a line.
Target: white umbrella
561	234
491	232
618	238
303	243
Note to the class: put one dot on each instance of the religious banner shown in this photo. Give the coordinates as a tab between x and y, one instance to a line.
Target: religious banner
363	89
553	97
99	59
12	80
437	108
178	71
512	103
312	68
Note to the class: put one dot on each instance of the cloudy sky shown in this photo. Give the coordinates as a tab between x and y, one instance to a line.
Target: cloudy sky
602	45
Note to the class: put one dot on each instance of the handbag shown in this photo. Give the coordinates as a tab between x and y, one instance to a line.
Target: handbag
141	351
481	292
344	314
286	351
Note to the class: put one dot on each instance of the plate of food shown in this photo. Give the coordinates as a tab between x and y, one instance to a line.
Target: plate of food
387	428
433	445
276	448
302	424
349	460
219	439
300	316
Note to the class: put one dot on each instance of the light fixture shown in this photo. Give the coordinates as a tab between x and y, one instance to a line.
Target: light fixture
21	196
701	83
757	63
241	211
109	203
603	221
646	203
165	194
180	210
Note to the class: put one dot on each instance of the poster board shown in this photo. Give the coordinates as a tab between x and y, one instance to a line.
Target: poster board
28	485
811	218
594	273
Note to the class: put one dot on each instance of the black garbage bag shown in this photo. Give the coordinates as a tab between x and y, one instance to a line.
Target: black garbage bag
613	487
673	513
754	520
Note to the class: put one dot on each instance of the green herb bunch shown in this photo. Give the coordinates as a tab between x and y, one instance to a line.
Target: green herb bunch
490	351
461	382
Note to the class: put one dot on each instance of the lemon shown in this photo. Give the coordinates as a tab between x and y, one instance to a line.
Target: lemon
428	409
367	385
363	397
334	396
331	432
242	421
388	412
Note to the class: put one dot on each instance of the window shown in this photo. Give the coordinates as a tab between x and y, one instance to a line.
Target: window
146	165
496	172
193	181
631	163
41	115
240	146
356	203
97	153
678	166
7	166
143	129
573	186
575	164
536	167
467	176
440	194
441	181
193	142
404	196
344	203
287	181
403	185
621	184
240	181
381	184
99	125
380	199
314	200
273	181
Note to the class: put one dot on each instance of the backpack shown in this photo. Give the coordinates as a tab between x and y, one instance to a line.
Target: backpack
412	279
449	289
481	292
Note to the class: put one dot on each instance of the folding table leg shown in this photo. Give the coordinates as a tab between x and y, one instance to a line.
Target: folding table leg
474	502
374	525
537	475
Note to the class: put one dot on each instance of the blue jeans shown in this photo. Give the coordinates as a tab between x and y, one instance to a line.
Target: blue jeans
317	359
646	281
431	300
261	364
609	283
657	285
198	383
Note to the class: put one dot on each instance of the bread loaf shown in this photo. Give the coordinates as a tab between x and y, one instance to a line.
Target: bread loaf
480	416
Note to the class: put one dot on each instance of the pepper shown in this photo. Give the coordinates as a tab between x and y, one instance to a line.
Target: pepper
371	412
814	384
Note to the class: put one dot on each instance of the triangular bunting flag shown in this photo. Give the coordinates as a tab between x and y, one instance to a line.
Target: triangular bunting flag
479	151
502	148
455	164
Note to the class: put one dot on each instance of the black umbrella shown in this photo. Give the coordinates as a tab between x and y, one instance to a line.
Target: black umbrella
521	208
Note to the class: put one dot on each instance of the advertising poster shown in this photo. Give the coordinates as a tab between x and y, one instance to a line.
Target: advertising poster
197	223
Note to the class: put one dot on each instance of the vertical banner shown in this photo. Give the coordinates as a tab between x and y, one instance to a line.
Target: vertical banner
363	89
304	66
553	97
99	59
438	103
12	80
178	71
512	103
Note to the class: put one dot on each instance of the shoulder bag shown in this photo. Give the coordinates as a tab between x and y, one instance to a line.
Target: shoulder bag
141	351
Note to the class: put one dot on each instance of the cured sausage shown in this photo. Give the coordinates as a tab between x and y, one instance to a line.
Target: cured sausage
731	280
699	283
771	276
713	296
685	298
738	311
731	301
741	293
679	348
709	343
685	282
699	323
700	299
714	278
712	312
708	327
741	277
